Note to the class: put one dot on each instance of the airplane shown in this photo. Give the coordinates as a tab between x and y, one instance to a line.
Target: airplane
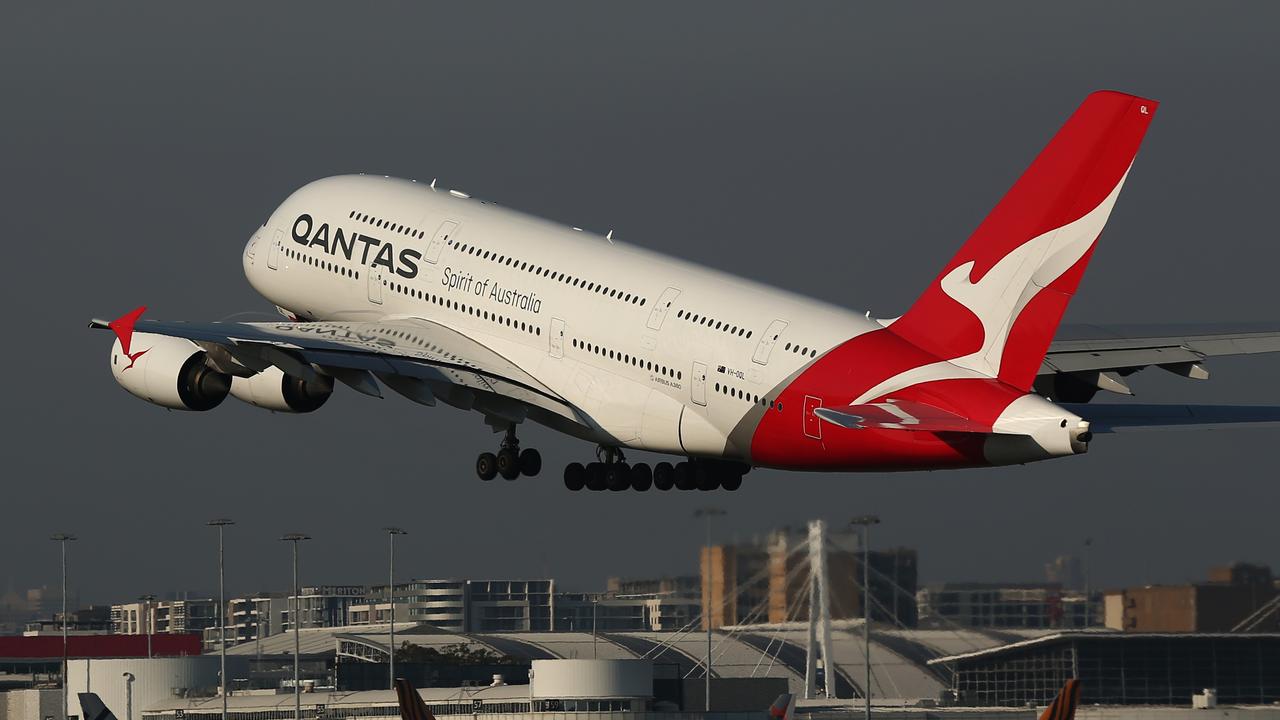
443	297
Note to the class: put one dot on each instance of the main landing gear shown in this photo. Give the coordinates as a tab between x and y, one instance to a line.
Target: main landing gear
611	472
511	462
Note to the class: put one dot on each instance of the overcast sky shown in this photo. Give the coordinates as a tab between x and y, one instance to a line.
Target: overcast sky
842	150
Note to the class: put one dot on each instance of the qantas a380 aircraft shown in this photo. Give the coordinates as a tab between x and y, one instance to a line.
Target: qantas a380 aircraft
442	297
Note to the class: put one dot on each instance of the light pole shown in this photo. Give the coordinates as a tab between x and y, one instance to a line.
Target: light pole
221	524
1088	590
128	696
148	623
866	521
392	532
62	539
296	538
595	604
708	513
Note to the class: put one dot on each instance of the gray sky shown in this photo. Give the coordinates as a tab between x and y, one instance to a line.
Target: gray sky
843	150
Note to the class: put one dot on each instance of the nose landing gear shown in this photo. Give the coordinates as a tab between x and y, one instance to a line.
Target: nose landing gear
510	461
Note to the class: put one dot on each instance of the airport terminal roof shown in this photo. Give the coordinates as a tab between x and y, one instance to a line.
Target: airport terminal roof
901	660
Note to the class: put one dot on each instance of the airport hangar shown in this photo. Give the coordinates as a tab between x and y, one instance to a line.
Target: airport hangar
981	667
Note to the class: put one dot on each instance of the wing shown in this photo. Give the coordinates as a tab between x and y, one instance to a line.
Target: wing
1086	358
417	358
1122	417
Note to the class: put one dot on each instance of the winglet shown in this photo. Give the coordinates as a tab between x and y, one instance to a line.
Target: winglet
1064	706
123	328
411	705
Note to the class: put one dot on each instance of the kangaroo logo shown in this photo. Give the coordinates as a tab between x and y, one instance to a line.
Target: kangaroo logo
123	328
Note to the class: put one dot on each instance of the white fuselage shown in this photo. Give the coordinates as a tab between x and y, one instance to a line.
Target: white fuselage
659	353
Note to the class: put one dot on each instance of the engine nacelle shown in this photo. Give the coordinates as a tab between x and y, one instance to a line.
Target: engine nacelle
274	390
169	372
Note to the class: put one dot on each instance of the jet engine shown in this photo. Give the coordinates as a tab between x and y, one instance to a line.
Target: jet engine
274	390
169	372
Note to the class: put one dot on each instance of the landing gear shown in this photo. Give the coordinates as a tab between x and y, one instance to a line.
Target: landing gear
664	476
487	466
510	462
611	472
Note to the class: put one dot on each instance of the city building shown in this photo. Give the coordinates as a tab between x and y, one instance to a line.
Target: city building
17	608
1232	594
686	585
463	605
767	580
320	606
93	620
1004	605
668	603
164	617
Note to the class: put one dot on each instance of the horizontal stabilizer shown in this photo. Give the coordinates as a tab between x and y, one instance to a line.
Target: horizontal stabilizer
899	415
1120	417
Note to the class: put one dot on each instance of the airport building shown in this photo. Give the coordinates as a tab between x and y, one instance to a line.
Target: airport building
1121	669
485	606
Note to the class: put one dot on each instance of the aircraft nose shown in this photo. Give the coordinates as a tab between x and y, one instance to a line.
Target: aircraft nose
250	248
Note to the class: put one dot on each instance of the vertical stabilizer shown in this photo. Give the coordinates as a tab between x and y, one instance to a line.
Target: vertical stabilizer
411	705
996	305
1063	707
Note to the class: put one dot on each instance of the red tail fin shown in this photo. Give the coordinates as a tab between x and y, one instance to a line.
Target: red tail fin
1064	706
995	307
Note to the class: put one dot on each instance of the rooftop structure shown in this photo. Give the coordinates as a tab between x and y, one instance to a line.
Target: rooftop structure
1120	669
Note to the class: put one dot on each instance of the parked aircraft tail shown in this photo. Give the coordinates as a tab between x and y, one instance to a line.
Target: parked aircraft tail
1063	707
93	708
783	708
996	305
411	705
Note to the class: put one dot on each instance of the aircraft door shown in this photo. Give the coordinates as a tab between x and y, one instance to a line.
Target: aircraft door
447	229
698	383
375	285
273	255
812	423
770	338
661	307
557	338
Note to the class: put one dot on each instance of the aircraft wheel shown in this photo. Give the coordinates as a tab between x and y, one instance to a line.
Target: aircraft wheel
664	476
530	462
731	481
575	476
707	478
684	476
641	477
508	464
487	466
595	476
617	476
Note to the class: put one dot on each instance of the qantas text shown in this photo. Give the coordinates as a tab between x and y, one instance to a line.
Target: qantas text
404	264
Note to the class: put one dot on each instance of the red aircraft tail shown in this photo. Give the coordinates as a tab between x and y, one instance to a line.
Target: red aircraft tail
996	305
1063	707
